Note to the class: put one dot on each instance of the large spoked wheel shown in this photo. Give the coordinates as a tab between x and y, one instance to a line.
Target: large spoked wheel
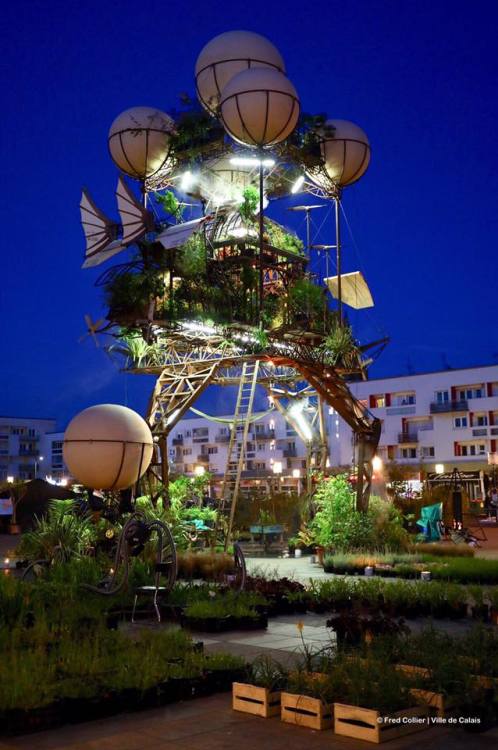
168	558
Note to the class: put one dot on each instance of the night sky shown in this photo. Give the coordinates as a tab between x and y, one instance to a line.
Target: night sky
421	78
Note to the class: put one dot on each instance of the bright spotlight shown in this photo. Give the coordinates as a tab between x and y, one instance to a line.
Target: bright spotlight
298	184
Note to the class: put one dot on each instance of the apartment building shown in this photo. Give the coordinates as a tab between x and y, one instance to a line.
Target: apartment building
54	467
434	421
22	448
275	456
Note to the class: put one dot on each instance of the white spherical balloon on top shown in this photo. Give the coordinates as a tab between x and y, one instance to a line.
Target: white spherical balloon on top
108	447
259	107
139	141
225	56
345	152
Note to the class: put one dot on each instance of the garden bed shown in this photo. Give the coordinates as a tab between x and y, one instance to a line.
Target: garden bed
372	726
78	710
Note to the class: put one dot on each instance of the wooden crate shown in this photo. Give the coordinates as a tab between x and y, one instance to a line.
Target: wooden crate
437	703
366	724
306	712
255	700
409	669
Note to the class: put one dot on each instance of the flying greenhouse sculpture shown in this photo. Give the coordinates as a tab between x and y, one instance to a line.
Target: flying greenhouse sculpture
207	282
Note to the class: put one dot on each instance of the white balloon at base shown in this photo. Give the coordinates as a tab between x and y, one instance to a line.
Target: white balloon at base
225	56
107	447
259	107
345	152
139	141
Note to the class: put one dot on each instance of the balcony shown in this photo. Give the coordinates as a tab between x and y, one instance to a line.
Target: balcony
407	437
448	406
290	453
257	474
264	435
203	458
178	441
480	432
406	409
222	438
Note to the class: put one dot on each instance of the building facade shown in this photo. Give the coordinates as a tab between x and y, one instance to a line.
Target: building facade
431	423
30	448
436	421
275	456
21	455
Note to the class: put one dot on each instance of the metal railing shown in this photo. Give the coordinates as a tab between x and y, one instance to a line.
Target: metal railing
407	437
448	406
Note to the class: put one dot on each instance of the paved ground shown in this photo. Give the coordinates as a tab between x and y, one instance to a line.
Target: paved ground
210	724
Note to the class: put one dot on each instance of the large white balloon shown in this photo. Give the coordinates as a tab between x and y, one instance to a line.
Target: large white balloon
139	141
346	155
107	447
225	56
259	107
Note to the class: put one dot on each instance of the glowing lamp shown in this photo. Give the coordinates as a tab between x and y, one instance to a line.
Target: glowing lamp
139	141
107	447
227	55
259	107
345	152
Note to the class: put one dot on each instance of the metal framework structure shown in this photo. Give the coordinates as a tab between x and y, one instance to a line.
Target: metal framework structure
287	371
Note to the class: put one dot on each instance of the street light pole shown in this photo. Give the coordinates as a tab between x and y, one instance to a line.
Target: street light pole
37	464
261	231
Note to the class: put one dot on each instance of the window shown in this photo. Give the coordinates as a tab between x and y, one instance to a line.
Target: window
459	422
465	394
378	401
211	451
482	420
428	451
409	453
473	450
187	452
261	446
442	397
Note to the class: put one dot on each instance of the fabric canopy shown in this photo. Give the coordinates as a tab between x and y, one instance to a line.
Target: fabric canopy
354	290
179	233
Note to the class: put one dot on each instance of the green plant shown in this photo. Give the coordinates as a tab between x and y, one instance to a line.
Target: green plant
268	673
191	261
338	524
306	299
340	347
132	293
250	203
170	204
58	536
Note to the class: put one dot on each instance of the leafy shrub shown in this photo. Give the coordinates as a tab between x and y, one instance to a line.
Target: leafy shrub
338	524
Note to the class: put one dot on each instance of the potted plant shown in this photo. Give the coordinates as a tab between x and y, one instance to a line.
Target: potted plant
307	700
260	694
377	704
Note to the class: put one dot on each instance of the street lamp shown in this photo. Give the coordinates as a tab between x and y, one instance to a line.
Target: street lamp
37	465
377	464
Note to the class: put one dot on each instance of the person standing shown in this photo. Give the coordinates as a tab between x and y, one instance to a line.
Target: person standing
494	502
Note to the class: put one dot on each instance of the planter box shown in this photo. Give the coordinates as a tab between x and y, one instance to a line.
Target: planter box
258	701
412	670
367	724
305	712
437	703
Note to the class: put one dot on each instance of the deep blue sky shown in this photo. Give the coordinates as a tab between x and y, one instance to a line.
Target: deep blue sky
420	76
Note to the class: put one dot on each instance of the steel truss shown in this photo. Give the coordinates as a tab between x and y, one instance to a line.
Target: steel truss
189	366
